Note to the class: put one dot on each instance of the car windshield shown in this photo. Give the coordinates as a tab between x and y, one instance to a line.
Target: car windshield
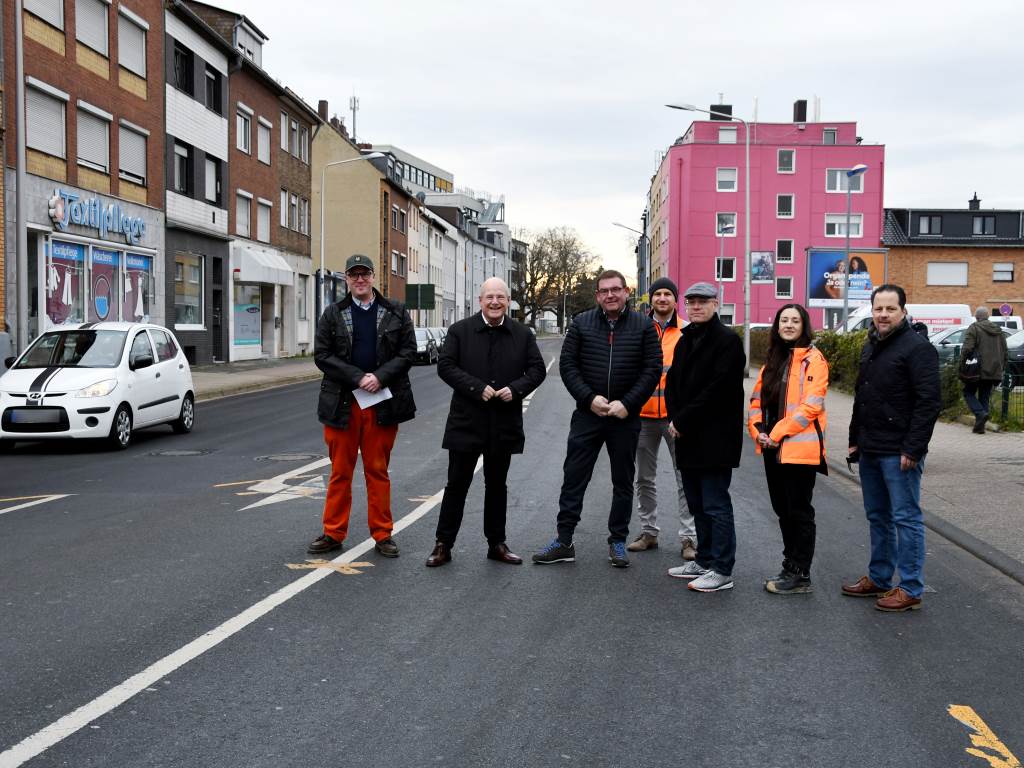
421	334
1016	340
75	349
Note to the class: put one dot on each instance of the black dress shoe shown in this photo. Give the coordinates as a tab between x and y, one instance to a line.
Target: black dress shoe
386	547
501	553
323	544
442	554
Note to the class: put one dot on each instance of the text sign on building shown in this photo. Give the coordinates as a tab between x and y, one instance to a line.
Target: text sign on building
66	208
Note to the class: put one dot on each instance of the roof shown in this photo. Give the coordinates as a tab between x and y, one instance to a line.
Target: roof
895	235
892	232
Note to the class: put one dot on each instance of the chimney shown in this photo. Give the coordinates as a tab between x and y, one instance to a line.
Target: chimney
974	204
322	109
724	109
800	111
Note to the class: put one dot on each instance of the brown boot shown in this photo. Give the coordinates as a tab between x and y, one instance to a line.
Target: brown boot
442	554
896	601
643	542
863	587
688	549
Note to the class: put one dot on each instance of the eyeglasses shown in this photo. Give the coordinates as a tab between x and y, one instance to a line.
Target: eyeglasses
610	291
359	275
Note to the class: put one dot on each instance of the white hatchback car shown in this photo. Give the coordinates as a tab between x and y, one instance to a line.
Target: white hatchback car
96	380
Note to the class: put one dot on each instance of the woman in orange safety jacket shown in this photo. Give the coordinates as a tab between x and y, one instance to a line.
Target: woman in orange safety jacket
787	422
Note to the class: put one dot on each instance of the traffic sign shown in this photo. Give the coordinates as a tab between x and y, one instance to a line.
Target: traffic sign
1005	310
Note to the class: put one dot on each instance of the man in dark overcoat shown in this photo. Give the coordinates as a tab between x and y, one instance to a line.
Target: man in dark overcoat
492	363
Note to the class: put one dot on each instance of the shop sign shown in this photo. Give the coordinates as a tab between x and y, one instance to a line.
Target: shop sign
66	207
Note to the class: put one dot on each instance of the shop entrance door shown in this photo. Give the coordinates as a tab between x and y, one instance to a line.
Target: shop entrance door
217	312
267	307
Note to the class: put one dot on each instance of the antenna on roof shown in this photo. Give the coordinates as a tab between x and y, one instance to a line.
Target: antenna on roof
353	104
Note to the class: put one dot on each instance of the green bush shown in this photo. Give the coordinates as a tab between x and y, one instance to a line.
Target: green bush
758	343
842	350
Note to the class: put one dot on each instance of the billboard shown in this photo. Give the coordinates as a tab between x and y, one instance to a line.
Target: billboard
827	269
762	267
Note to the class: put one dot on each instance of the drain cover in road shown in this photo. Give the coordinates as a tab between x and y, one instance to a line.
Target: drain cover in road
290	457
179	453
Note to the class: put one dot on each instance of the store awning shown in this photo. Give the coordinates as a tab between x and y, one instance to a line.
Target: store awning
254	266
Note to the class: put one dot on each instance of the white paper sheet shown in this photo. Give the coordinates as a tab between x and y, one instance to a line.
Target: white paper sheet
367	399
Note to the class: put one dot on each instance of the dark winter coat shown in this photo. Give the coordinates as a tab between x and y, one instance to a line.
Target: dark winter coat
704	396
396	350
475	355
985	339
898	397
623	364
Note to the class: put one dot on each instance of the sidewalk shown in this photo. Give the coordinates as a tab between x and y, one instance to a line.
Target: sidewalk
973	485
223	379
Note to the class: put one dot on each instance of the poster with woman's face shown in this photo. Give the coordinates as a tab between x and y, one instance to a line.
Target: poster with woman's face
103	285
827	271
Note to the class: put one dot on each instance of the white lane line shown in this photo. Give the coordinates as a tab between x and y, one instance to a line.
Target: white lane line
56	732
43	500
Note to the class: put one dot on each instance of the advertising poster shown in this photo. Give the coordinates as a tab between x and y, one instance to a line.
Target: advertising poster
247	316
827	269
103	285
65	283
762	267
138	287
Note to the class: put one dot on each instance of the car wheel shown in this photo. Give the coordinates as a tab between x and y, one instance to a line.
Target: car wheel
183	424
121	428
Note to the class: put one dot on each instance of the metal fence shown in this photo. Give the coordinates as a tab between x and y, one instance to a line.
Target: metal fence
1007	403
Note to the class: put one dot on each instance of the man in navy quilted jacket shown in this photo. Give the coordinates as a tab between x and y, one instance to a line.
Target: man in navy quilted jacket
610	363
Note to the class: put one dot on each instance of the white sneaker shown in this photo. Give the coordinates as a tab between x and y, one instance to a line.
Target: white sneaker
711	582
689	571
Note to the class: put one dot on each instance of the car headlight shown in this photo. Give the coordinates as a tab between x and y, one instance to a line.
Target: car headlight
99	389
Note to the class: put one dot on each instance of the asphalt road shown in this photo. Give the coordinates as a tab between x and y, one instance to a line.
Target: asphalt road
473	664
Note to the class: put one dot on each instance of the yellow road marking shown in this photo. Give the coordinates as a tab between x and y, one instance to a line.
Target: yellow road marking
240	482
984	738
349	569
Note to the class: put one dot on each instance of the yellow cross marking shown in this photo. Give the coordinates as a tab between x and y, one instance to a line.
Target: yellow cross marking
348	569
984	737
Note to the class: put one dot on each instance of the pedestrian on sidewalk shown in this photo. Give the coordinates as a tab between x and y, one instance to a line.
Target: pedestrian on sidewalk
985	341
492	363
610	364
704	394
787	421
654	429
366	344
895	406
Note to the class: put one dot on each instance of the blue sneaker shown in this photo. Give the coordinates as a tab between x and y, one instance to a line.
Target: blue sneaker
556	552
617	554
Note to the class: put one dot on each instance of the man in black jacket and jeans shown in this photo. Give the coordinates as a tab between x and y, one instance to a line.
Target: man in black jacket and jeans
610	363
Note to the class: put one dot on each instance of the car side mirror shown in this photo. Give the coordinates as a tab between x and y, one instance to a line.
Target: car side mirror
140	362
9	362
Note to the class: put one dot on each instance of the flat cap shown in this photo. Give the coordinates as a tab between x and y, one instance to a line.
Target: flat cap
358	260
702	291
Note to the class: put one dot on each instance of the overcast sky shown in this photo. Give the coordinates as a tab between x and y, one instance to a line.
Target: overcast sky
558	105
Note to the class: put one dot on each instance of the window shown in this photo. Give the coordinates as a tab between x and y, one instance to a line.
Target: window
284	207
836	180
828	136
784	205
727	135
394	262
213	90
212	192
1002	273
243	124
284	132
783	287
293	139
263	142
165	347
44	121
929	225
91	24
402	265
304	144
131	42
725	269
301	297
727	313
243	213
304	216
784	251
188	294
787	161
293	211
835	224
183	69
947	273
132	155
93	141
141	347
263	210
984	225
182	169
401	221
725	180
50	11
394	217
725	224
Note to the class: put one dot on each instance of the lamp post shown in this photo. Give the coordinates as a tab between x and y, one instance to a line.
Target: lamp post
323	195
851	174
642	281
746	223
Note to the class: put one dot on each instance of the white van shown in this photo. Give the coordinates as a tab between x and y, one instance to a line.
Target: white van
1012	322
936	316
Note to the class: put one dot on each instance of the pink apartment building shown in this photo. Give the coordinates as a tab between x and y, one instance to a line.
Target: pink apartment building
797	200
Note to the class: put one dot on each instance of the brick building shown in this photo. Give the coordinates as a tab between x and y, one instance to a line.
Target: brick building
94	81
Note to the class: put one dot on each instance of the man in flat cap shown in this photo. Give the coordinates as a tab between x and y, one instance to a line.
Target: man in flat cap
365	345
704	395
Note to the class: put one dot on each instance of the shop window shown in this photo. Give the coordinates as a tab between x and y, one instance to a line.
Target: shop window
91	24
104	285
188	291
247	316
302	297
131	43
65	283
131	147
138	287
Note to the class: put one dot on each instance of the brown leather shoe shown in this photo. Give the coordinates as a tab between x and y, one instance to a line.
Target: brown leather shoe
896	600
442	554
688	549
323	544
863	587
386	547
502	554
643	542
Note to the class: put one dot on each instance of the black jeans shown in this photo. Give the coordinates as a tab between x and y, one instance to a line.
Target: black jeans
707	496
790	488
587	433
460	475
977	394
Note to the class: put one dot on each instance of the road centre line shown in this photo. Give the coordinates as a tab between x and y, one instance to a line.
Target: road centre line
38	500
74	721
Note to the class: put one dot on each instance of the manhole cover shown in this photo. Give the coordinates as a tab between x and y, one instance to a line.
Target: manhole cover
290	457
179	453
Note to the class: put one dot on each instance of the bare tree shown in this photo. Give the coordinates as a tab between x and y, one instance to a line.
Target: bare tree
556	267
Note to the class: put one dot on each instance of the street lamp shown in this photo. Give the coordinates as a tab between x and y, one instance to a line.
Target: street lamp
851	174
746	224
323	195
642	280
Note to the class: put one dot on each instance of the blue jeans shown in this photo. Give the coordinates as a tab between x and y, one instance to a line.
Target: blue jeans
977	394
892	503
707	495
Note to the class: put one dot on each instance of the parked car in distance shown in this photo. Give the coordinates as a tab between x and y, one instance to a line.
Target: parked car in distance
96	380
1013	322
948	342
937	317
426	347
439	336
1015	353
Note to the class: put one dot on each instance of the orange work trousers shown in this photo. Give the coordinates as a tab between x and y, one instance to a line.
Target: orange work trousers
363	436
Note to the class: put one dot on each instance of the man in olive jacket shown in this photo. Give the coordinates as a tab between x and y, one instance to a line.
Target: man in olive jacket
492	363
986	341
364	343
